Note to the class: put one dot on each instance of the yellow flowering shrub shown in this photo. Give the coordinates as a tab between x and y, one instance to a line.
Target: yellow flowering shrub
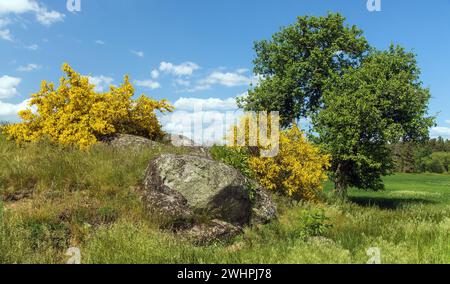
73	114
298	168
297	171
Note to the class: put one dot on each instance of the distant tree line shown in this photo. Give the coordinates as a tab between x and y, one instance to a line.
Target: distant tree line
431	156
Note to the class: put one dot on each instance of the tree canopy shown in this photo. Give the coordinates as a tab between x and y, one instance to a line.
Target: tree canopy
359	99
298	61
379	103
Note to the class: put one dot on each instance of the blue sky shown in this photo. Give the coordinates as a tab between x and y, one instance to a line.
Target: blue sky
196	49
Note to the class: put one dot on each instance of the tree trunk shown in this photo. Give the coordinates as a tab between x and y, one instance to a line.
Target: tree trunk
340	183
340	190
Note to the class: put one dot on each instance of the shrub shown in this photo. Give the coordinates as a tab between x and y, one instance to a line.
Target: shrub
313	223
74	114
237	157
435	166
437	162
444	158
297	171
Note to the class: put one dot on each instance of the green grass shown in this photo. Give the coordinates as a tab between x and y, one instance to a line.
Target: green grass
56	198
404	190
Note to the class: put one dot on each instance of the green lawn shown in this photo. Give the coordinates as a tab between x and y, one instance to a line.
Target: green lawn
405	189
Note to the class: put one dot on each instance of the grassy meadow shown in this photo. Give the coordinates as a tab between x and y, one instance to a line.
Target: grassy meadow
54	198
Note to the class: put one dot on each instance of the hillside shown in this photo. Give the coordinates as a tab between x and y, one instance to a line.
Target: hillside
55	198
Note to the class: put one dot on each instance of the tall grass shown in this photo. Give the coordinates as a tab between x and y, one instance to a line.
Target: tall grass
56	198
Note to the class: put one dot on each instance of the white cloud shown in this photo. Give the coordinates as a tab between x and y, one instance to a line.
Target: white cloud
242	71
6	35
100	42
8	112
138	53
101	82
4	22
43	15
155	74
28	68
196	88
8	86
206	126
150	84
33	47
443	132
184	69
17	7
227	79
48	18
190	104
182	82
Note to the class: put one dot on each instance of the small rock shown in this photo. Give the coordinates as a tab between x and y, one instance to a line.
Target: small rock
264	209
179	140
127	140
215	230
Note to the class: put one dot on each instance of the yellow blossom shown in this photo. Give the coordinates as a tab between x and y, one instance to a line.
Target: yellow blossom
75	115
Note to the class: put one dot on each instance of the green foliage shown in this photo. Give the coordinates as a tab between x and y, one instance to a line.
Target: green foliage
360	99
439	145
438	162
380	103
297	62
434	166
237	157
429	156
406	156
444	158
313	223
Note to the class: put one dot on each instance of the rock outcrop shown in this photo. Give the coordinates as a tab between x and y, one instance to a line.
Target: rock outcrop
186	188
138	142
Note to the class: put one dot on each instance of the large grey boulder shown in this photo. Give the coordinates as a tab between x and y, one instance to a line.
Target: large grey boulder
184	187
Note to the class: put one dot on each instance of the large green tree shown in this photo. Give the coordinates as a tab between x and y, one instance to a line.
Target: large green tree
370	107
296	63
360	100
